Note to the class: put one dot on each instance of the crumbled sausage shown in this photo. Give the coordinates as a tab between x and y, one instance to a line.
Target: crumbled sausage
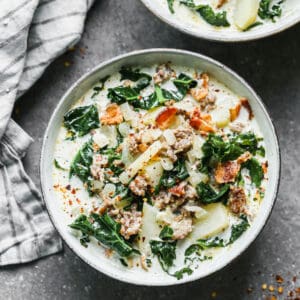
97	166
183	140
237	200
131	221
134	142
163	73
181	228
139	185
162	199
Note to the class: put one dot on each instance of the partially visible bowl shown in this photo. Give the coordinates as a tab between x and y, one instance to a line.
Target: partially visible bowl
287	20
149	57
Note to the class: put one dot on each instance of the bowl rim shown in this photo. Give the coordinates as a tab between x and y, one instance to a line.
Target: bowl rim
220	36
146	52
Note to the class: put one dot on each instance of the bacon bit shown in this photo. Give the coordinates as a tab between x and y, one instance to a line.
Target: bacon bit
227	172
205	78
265	167
221	3
235	111
201	121
166	117
244	157
178	190
113	115
245	103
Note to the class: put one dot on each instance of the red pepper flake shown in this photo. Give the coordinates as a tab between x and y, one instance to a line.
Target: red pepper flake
78	201
70	202
279	279
73	191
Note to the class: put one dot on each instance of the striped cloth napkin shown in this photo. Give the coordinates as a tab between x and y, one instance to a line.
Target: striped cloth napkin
32	34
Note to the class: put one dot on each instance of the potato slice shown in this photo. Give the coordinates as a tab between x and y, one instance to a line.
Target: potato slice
221	116
153	172
149	230
140	162
245	13
215	221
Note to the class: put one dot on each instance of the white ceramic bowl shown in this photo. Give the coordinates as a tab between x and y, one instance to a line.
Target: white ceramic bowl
292	17
92	256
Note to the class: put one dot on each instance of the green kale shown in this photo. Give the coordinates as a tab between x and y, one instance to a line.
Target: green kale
206	12
122	94
266	11
172	177
142	80
165	252
81	163
238	229
183	83
171	6
58	166
179	274
97	89
106	230
166	233
188	3
80	120
212	18
208	195
216	150
255	170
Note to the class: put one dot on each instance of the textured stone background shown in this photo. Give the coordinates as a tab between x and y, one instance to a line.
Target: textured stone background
271	66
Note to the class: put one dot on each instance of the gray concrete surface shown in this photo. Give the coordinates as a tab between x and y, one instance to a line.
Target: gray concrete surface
271	66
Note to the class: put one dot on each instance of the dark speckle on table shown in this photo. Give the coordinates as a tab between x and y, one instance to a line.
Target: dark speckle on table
271	66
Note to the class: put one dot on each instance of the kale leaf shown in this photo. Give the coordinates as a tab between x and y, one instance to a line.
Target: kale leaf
208	195
215	19
171	6
238	229
165	252
106	230
266	11
183	83
80	120
81	163
255	170
166	233
142	80
172	177
58	166
216	150
122	94
179	274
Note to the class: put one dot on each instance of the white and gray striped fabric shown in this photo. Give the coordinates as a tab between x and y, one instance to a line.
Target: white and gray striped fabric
32	34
